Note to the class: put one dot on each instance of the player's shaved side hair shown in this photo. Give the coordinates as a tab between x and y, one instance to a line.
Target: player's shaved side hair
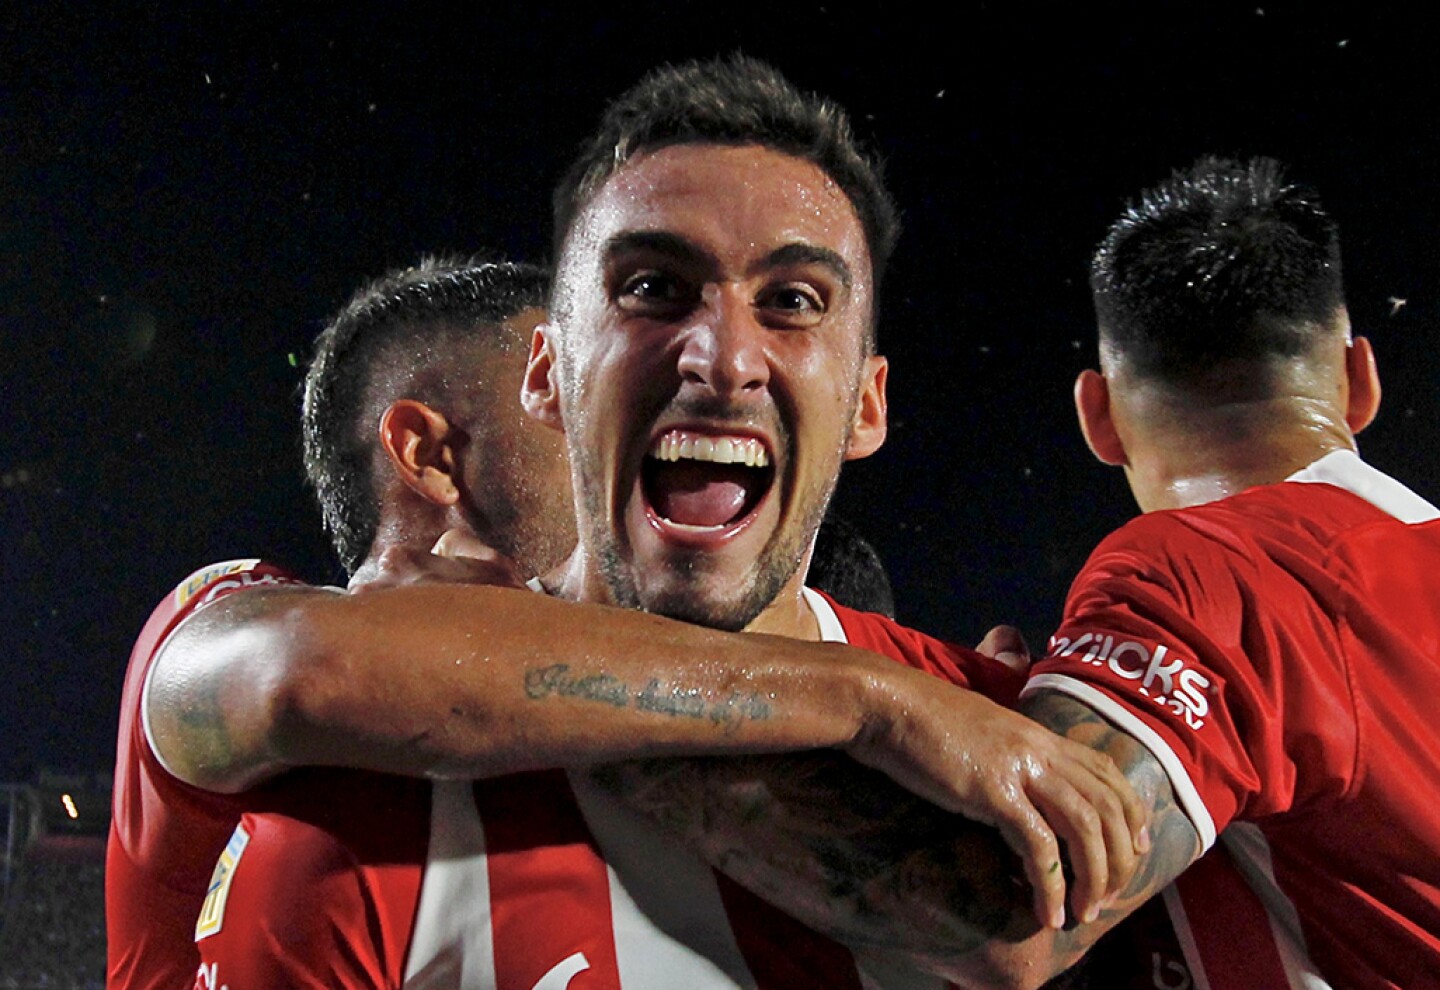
1225	260
732	101
411	330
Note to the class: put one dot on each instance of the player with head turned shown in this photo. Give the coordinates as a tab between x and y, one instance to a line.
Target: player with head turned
436	349
1265	633
710	361
442	335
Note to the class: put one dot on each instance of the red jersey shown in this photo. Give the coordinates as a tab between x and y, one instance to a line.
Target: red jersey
537	880
164	834
1278	652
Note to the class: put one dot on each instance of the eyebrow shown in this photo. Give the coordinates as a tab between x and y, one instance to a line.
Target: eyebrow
680	249
801	253
654	242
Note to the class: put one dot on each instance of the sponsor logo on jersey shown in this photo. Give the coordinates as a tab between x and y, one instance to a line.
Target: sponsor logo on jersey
244	579
192	584
208	978
1164	677
558	977
212	912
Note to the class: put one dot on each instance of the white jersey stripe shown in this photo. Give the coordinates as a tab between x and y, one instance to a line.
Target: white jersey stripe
1185	790
1251	852
452	944
671	929
1175	907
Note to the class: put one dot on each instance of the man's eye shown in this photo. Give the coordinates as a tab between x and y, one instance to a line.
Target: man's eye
651	287
793	302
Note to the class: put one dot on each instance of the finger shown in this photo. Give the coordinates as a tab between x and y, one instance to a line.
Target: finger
1136	812
1026	832
462	543
1122	852
1006	644
1080	827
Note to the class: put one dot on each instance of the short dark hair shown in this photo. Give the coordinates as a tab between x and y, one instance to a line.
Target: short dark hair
402	322
734	100
847	568
1224	260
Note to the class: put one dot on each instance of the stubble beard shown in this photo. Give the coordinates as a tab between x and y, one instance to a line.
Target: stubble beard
689	599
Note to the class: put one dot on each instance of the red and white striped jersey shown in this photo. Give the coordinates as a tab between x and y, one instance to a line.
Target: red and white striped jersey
535	881
164	834
1278	652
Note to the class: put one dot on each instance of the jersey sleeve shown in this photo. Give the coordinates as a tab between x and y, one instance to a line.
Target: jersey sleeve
1208	657
950	662
165	834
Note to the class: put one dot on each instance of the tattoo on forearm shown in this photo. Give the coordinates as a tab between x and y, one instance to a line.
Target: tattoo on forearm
837	845
851	853
1174	842
557	680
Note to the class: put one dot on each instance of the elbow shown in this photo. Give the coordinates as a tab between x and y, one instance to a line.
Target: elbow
281	684
301	693
1001	965
229	692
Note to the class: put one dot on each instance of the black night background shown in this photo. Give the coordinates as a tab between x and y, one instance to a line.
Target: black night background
188	190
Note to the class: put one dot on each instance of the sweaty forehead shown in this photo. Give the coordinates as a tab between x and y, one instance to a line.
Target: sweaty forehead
735	202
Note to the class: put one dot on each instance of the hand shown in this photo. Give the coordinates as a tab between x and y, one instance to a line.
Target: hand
1006	644
458	557
966	754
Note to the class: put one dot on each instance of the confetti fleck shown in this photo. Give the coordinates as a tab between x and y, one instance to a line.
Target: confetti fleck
1396	304
207	80
291	358
940	95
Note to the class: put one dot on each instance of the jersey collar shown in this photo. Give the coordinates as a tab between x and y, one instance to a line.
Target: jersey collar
1344	469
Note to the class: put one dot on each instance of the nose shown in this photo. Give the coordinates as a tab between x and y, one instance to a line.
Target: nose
724	350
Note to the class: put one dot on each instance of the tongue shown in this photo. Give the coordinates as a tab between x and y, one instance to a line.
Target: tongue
698	494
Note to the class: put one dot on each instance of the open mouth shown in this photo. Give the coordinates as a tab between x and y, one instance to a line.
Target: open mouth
705	482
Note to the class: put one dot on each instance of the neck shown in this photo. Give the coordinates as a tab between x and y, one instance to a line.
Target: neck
417	531
1198	457
579	579
789	614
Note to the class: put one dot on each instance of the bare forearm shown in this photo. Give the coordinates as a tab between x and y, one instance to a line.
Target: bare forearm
851	854
453	680
838	846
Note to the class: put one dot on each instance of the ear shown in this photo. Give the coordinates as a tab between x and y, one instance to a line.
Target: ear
416	439
540	391
868	430
1092	405
1363	385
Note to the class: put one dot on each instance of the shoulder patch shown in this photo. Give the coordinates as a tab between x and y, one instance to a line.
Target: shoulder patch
212	912
208	573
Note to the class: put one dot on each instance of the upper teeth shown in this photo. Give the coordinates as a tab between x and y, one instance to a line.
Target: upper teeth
717	450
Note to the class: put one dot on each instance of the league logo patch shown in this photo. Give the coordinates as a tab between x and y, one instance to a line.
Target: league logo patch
212	912
210	572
